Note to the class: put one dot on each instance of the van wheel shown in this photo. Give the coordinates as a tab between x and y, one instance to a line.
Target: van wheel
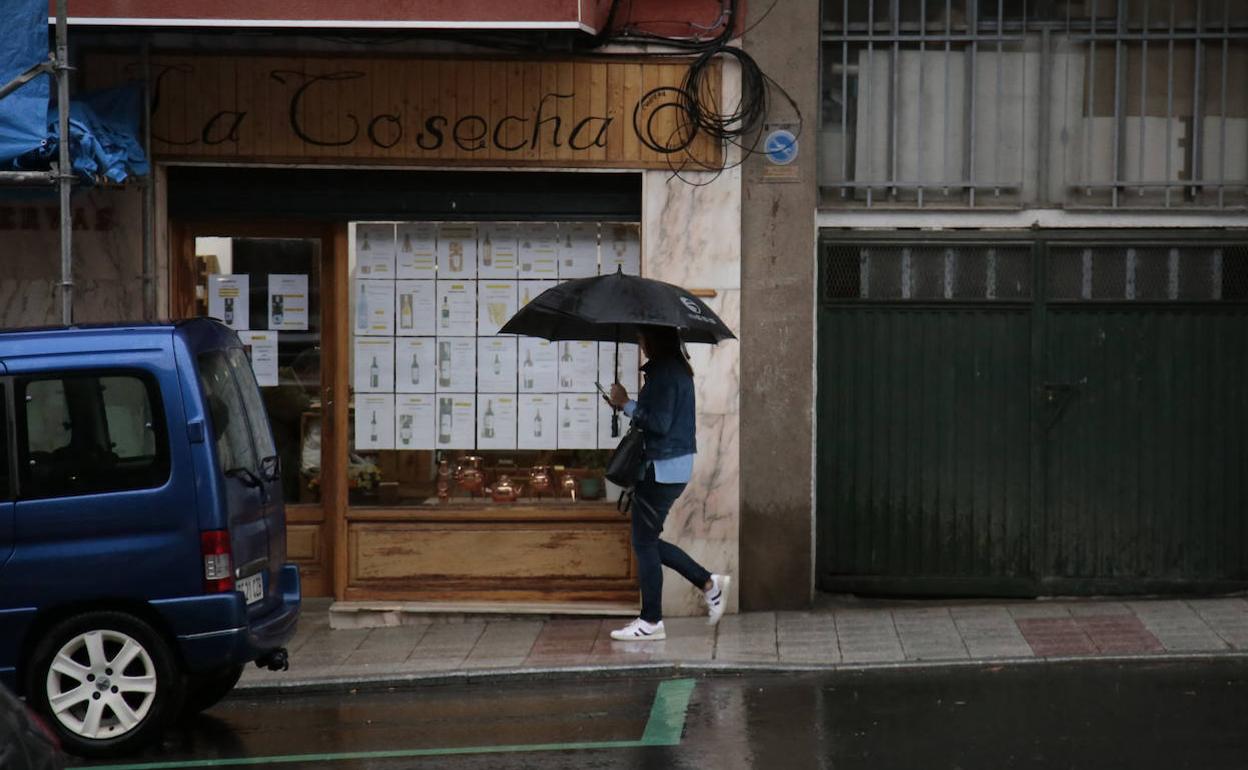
106	682
206	689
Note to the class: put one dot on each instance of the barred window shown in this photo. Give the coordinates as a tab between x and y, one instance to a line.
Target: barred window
1095	103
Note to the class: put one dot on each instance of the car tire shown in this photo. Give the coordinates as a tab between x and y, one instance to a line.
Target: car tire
96	709
204	690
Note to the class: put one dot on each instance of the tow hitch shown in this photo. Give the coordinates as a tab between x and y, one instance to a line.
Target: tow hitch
276	660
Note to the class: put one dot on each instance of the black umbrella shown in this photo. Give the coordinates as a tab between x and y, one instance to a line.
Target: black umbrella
613	308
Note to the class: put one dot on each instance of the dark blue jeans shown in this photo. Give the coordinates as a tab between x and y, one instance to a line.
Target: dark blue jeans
651	502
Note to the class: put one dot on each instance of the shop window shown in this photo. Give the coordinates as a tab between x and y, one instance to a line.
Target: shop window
445	408
86	434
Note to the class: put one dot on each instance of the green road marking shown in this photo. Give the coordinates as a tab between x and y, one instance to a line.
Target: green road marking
664	728
667	716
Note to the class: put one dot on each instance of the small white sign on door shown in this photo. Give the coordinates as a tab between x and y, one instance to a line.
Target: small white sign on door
229	300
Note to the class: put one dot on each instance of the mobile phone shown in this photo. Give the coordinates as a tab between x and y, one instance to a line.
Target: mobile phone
605	396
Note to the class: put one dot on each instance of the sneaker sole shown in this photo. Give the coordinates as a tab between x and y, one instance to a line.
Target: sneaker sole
651	638
723	590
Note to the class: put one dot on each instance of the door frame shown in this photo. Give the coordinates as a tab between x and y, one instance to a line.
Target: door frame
328	577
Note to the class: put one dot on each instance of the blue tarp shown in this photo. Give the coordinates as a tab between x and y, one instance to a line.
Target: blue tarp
23	113
103	134
103	125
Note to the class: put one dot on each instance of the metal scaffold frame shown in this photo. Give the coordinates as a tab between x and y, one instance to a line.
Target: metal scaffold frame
61	173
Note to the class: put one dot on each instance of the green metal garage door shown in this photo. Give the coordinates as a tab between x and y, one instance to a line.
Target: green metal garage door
1021	416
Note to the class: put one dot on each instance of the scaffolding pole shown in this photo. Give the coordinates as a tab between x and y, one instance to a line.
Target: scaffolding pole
64	171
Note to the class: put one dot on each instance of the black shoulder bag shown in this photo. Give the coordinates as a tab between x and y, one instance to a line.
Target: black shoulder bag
627	461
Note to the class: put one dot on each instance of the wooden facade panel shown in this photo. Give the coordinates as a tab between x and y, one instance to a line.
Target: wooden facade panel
488	551
303	543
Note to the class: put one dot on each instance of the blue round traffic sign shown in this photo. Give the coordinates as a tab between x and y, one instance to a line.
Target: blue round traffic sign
781	147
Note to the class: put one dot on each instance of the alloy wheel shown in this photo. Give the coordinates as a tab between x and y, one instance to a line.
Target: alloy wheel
101	684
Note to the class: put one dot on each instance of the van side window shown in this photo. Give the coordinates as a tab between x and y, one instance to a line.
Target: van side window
90	433
228	413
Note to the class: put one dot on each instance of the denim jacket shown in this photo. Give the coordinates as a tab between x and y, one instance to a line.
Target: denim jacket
665	410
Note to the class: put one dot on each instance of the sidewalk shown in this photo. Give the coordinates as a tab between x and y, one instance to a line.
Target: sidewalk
846	635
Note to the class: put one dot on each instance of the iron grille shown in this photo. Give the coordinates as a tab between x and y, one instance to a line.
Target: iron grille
1148	273
1096	103
927	273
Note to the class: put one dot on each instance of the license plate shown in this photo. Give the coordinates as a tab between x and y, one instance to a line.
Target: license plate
252	587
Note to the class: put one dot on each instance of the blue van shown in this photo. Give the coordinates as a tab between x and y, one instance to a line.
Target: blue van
142	529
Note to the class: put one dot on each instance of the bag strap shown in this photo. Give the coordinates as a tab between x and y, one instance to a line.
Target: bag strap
625	502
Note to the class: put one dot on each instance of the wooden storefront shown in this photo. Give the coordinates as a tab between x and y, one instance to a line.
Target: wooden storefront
228	128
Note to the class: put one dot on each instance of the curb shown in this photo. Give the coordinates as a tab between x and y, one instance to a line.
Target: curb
711	668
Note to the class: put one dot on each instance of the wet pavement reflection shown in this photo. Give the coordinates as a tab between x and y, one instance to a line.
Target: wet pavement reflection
1096	715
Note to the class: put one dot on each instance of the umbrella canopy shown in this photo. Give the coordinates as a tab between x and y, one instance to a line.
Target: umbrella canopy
611	308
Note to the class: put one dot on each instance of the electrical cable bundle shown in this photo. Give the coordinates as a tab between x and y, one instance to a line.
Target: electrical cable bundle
696	103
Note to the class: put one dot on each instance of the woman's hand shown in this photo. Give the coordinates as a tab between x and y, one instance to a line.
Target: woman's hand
619	396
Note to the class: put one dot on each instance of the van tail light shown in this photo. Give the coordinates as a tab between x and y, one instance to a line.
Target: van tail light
218	572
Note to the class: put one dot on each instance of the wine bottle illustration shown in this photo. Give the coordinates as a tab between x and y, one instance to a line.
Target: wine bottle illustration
537	424
405	429
567	413
374	374
498	365
229	311
405	311
361	310
565	366
415	371
372	429
278	301
487	424
567	258
487	252
444	364
446	313
456	262
407	243
444	421
528	370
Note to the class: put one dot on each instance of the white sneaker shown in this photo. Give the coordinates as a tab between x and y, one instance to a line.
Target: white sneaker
640	631
717	598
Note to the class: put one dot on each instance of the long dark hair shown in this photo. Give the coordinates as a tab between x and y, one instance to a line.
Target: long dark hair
661	342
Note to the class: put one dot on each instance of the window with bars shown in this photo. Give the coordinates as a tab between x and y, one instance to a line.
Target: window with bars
1003	273
887	272
1097	103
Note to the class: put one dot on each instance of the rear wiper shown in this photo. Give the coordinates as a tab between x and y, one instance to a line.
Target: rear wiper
249	478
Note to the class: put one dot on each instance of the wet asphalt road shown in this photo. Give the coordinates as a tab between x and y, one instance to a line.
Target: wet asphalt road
1137	715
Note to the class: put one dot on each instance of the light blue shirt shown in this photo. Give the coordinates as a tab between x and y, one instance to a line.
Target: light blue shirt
673	470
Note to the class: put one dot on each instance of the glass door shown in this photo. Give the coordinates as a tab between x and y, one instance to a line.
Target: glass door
267	283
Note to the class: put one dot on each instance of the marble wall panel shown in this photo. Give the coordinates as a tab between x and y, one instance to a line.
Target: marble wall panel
692	238
107	254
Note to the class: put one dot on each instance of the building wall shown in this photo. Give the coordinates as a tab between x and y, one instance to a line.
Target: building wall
777	346
107	256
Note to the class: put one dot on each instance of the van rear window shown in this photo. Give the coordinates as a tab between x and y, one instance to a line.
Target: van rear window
228	413
88	433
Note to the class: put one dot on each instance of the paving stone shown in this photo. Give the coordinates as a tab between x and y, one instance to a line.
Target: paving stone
928	634
1119	634
447	641
1228	618
1177	626
1049	637
992	633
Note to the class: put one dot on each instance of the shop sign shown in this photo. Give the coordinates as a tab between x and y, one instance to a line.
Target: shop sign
602	113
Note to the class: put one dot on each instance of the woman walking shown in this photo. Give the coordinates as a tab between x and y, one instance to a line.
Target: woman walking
664	411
